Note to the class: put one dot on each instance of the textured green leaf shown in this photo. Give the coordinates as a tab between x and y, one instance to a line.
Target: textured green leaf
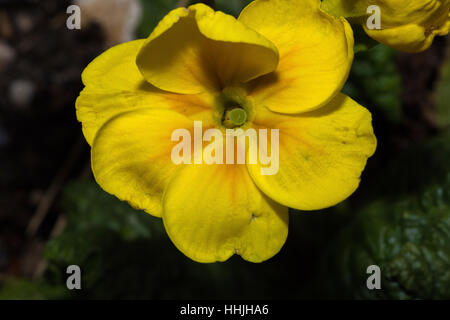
408	239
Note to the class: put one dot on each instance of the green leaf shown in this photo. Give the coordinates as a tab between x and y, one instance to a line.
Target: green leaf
125	254
22	289
362	41
408	239
442	96
375	82
88	207
411	171
152	12
233	7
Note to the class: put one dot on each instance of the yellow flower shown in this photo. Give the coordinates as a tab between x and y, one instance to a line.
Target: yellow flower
407	25
283	63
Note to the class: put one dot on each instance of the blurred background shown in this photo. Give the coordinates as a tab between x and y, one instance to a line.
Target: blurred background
53	214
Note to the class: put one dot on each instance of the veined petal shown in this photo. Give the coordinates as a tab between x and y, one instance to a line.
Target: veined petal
197	49
131	156
213	211
115	85
316	53
321	154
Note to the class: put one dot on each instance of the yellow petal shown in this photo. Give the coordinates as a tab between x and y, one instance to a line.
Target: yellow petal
414	29
393	12
131	156
213	211
347	8
410	38
114	85
115	69
316	53
197	49
321	154
407	25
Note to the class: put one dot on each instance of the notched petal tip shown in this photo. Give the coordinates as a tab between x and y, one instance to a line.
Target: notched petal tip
213	221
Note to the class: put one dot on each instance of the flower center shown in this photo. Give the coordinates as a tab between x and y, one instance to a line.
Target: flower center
234	117
232	108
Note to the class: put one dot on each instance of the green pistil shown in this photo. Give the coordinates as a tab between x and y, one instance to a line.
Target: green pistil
235	117
238	116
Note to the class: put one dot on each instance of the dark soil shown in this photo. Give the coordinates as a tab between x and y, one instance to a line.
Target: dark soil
38	135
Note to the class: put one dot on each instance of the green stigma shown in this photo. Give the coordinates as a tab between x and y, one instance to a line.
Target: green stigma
235	117
238	116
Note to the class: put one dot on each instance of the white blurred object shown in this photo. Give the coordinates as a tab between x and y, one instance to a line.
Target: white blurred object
24	22
7	55
21	93
118	18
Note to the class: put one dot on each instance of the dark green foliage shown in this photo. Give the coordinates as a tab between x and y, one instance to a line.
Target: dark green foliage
412	171
152	12
362	41
21	289
124	253
409	240
233	7
375	83
442	97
